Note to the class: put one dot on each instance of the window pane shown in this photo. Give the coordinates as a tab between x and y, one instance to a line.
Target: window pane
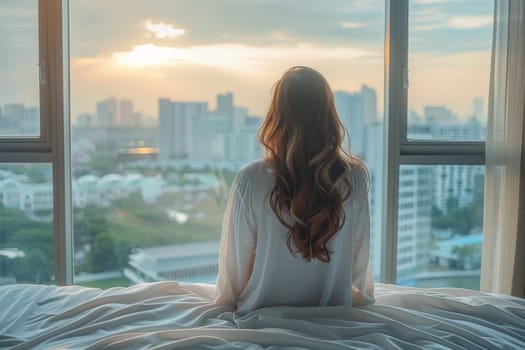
26	223
19	90
449	66
166	104
440	225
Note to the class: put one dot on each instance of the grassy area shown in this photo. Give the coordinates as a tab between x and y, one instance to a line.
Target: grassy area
141	231
107	283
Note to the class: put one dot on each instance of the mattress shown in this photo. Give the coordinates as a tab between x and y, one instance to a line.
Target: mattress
173	315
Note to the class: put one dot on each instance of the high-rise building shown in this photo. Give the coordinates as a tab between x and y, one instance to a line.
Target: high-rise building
125	113
374	162
413	118
457	186
18	119
439	115
175	127
478	108
350	108
225	105
107	112
208	142
4	123
369	96
138	119
472	130
414	218
14	113
414	211
85	120
239	117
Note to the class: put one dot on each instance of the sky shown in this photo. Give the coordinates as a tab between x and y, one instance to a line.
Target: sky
191	50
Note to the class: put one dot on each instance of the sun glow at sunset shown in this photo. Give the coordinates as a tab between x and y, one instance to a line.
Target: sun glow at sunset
148	55
232	56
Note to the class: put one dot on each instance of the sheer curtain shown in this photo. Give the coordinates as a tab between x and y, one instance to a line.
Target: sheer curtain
503	266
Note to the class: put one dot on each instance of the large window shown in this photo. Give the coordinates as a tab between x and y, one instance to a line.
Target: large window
440	221
449	50
19	92
439	68
165	103
26	223
166	107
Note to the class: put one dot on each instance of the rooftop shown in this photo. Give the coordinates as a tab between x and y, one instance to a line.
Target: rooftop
181	250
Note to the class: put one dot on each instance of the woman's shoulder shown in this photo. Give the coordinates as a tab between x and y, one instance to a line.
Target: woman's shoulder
358	177
255	172
255	168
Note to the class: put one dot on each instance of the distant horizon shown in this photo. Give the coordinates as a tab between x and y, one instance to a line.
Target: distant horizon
212	106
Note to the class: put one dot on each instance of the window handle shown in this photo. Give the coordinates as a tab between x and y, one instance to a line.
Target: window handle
42	72
405	78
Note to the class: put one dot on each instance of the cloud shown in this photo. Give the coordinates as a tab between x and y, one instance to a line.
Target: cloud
427	2
351	25
469	22
163	30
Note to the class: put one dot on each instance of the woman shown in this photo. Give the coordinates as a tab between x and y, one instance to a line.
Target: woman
297	228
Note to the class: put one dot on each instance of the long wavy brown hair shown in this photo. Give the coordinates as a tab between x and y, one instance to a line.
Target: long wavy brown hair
303	136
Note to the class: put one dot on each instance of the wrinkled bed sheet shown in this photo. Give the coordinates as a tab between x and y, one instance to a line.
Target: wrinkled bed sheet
171	315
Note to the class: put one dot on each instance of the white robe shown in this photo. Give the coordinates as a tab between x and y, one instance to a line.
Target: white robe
256	269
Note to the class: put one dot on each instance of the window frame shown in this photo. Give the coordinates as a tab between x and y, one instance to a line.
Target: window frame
54	143
399	150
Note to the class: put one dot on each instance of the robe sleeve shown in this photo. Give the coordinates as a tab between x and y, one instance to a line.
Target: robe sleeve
237	245
362	278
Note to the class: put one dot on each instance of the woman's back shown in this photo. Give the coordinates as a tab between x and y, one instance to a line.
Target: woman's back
296	228
256	268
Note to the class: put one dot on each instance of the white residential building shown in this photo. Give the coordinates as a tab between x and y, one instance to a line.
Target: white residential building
192	262
414	218
102	191
456	185
30	197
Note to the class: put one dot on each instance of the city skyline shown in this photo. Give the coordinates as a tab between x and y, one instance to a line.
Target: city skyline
111	111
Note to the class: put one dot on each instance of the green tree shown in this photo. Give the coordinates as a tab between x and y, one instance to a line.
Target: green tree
34	237
467	256
11	220
122	251
103	165
103	255
35	267
461	220
88	223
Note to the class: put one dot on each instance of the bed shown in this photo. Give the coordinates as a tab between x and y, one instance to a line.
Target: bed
173	315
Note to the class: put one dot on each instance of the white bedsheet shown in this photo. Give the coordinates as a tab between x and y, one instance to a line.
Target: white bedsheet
172	315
